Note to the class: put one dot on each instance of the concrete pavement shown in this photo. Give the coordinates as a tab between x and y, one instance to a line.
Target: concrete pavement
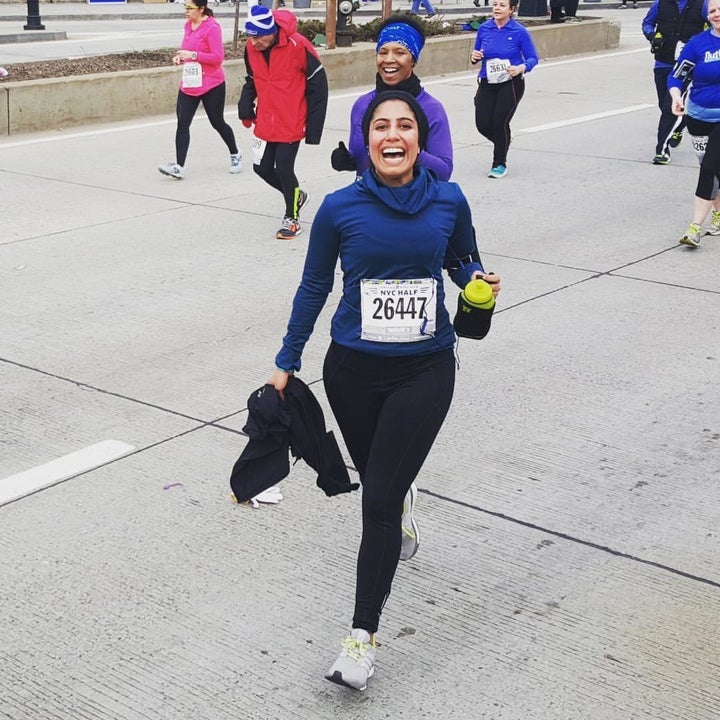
569	565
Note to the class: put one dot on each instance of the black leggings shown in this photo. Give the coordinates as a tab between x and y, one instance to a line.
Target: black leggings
710	165
495	104
277	169
389	410
214	103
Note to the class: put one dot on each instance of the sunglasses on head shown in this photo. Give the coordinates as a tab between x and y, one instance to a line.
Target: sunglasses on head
192	7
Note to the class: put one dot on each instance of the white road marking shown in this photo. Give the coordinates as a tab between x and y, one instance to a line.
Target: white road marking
343	96
586	118
50	473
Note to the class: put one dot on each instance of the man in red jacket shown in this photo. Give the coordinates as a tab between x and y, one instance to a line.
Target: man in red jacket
285	95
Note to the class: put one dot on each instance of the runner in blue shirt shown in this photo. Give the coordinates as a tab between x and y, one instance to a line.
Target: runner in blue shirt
668	25
507	53
699	62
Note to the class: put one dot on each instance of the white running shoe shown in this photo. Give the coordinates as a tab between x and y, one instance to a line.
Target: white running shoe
235	163
173	170
356	663
410	529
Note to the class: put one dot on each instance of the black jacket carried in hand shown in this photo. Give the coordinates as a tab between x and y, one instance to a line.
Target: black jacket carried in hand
275	426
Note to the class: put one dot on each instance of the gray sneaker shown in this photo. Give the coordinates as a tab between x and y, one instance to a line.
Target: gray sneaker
356	663
714	228
410	529
692	236
173	170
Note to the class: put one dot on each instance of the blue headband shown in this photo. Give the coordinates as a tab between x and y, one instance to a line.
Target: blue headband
404	34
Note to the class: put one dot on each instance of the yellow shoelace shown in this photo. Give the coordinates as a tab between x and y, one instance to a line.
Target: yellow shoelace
354	648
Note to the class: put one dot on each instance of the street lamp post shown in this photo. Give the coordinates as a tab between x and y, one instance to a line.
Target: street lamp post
34	21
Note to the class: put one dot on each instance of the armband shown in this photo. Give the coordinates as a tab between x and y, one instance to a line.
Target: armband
683	69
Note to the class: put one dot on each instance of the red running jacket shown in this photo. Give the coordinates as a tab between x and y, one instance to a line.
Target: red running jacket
286	89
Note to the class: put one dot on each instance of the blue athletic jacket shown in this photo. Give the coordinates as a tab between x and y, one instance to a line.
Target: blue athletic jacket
510	42
381	232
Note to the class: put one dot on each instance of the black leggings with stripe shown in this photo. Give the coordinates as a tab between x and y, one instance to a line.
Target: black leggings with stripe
277	169
495	105
389	411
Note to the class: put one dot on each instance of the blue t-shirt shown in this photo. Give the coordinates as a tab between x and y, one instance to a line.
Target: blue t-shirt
704	51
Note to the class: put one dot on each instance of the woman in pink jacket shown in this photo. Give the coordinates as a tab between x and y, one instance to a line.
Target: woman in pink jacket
203	79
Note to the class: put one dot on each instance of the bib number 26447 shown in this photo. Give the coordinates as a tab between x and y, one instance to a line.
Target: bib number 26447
398	310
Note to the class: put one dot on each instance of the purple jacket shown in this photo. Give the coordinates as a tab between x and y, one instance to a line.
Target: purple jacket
438	156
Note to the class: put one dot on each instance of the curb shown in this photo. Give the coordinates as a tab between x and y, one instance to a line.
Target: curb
35	105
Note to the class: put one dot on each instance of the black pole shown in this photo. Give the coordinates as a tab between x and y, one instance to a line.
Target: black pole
34	21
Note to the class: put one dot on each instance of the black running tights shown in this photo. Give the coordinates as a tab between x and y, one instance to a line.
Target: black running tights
277	168
495	105
389	410
214	103
710	165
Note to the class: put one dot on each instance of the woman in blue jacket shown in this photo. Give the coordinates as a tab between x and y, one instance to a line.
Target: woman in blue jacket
389	373
700	60
507	52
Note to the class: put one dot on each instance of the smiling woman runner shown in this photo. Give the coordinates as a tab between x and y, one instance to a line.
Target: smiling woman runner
389	372
201	55
399	44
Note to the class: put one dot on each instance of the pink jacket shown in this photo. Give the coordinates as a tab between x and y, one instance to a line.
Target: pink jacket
207	42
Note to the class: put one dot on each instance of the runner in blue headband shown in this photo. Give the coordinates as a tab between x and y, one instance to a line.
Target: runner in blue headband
404	34
400	40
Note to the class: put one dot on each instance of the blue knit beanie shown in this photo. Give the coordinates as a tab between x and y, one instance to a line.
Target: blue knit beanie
260	21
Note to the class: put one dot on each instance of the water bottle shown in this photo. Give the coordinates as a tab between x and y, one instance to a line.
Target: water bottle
475	308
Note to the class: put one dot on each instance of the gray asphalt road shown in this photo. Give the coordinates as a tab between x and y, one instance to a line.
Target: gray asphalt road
569	565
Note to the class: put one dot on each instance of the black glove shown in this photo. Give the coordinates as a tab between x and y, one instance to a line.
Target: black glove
341	159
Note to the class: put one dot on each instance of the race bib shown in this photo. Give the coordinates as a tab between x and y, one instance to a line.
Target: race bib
496	70
258	149
192	75
699	144
678	48
398	310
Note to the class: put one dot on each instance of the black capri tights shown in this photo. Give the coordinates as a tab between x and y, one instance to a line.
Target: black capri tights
214	103
495	105
710	165
277	169
389	410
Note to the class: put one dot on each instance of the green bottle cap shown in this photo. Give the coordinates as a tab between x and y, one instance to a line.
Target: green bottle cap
479	294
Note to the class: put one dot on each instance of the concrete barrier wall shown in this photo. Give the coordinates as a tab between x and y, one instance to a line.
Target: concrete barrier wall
65	102
4	120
